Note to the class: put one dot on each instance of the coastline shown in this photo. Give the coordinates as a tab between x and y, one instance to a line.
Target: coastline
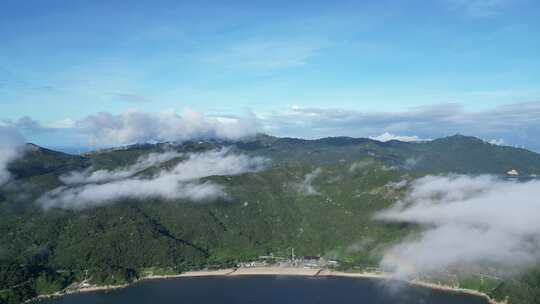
265	271
386	276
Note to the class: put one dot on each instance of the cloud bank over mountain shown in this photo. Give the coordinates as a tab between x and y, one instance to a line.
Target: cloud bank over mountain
470	222
389	136
84	189
105	129
11	147
512	124
135	127
91	175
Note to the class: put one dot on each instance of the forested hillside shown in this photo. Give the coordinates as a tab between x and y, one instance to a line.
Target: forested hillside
316	196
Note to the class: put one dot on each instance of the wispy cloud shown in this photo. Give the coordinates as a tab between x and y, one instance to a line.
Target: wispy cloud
512	124
91	175
105	129
497	142
479	8
359	165
516	124
386	136
306	186
133	126
181	182
65	123
11	147
471	223
128	97
266	55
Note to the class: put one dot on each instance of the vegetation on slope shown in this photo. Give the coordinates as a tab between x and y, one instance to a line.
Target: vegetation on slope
42	251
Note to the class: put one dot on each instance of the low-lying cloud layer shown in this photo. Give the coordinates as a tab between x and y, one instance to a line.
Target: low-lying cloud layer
306	186
105	129
389	136
471	222
180	182
134	127
99	176
516	124
512	124
11	147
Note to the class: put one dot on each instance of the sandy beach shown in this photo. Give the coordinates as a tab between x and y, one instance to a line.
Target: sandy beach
383	276
455	289
368	275
201	273
289	271
77	288
379	275
271	271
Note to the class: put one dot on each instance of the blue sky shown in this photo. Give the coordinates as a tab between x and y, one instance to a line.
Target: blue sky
61	61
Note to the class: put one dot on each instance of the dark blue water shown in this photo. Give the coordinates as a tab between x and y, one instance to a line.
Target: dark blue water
269	289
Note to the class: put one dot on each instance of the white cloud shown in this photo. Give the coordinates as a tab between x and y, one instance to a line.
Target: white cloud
105	129
471	222
128	97
306	186
411	162
360	165
11	147
498	142
133	127
99	176
517	124
386	136
180	182
62	124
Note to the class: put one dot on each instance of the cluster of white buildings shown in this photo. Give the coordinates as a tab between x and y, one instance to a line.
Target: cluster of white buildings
292	261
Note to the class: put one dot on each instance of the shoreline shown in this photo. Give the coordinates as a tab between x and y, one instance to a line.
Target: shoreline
418	283
84	287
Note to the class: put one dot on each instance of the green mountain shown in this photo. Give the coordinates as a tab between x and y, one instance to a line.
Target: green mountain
42	251
456	154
